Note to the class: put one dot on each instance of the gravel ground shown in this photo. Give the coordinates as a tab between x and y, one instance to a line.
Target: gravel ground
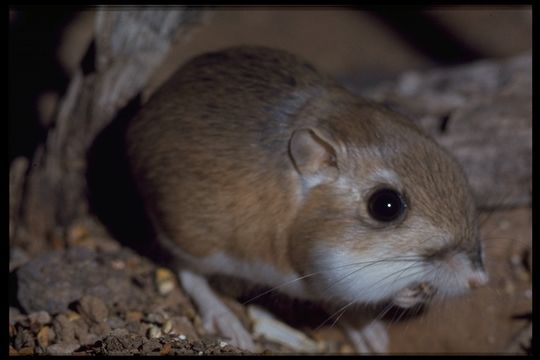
96	297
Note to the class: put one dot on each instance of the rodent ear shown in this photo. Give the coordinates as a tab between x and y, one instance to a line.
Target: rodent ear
314	156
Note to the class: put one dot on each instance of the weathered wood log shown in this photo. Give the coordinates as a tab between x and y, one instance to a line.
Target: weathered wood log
129	45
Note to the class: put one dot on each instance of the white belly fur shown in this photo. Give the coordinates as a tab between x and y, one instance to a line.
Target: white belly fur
255	271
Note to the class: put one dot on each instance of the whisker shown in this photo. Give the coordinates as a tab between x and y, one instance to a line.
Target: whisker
331	316
288	282
279	286
362	268
343	308
401	271
339	317
415	310
384	311
402	312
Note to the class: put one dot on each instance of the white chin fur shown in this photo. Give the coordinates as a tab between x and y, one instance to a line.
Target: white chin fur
370	277
366	277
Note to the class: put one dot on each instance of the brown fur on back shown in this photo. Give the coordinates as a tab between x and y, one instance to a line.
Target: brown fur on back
210	153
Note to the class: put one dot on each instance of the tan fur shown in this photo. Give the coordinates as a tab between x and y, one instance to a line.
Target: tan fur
210	153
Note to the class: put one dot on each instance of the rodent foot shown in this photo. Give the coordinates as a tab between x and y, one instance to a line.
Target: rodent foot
372	338
216	316
221	320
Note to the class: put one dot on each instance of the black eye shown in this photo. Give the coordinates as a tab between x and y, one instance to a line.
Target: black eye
386	205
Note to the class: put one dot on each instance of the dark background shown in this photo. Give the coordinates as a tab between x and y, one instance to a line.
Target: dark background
365	45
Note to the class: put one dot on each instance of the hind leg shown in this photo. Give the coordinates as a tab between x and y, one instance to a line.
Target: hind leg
216	316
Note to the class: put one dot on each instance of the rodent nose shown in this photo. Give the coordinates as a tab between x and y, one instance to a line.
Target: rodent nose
477	280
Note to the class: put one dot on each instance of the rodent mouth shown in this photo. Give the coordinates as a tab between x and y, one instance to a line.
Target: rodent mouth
413	295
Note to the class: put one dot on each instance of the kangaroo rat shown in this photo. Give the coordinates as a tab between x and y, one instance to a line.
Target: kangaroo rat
252	164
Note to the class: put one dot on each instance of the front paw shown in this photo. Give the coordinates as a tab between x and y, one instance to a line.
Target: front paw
414	296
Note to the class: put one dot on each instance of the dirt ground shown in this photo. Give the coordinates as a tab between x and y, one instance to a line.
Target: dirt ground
106	299
94	296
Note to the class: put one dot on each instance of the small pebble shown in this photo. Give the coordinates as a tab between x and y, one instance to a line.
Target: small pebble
156	318
72	315
167	326
165	281
151	346
118	264
115	322
154	332
24	338
138	328
62	348
191	314
181	325
43	337
26	351
40	317
222	344
77	232
93	308
134	316
166	349
119	332
181	337
100	329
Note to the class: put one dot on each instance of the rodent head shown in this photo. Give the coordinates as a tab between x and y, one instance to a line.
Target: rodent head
386	214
